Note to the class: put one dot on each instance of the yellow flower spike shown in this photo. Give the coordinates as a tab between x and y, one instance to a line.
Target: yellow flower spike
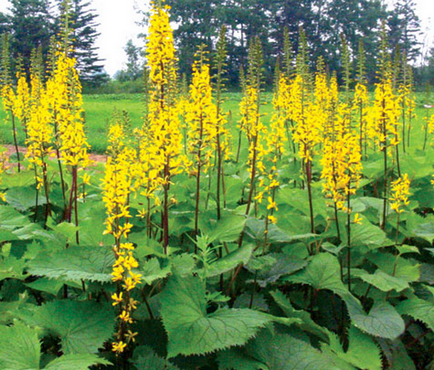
342	167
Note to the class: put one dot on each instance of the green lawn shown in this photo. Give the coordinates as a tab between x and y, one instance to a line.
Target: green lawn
99	110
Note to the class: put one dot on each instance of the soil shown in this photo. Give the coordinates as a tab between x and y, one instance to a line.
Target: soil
10	149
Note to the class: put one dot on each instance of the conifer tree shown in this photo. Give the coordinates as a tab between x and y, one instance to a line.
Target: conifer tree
83	25
31	25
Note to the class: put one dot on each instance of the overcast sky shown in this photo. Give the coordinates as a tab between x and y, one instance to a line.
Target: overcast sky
118	20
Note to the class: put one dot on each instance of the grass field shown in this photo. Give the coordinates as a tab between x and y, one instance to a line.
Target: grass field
99	111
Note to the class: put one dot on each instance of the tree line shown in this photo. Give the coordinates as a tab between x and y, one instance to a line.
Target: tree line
324	22
31	24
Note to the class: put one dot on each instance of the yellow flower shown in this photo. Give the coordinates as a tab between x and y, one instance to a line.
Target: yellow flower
118	347
86	179
272	219
130	336
117	298
357	219
272	204
125	316
142	213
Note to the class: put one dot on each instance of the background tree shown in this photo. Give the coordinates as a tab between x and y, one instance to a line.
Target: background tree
134	66
3	23
322	20
30	24
197	24
83	26
404	27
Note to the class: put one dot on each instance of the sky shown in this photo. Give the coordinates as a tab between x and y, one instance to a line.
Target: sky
118	23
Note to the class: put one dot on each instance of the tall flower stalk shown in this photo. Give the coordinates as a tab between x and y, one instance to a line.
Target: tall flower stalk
117	186
250	119
222	133
40	135
7	92
384	125
163	117
68	121
202	125
361	99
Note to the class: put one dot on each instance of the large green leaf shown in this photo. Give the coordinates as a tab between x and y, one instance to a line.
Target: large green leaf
91	225
19	348
283	265
75	263
298	199
11	219
367	234
154	269
75	362
230	261
23	198
307	323
284	352
146	359
11	267
400	267
383	281
82	327
50	286
362	352
191	330
419	309
7	235
382	320
422	227
396	355
323	272
227	229
8	310
236	359
256	230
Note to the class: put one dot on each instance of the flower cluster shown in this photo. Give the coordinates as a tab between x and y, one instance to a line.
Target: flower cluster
121	169
307	132
253	127
342	166
40	133
279	127
64	91
383	122
21	107
400	189
201	117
